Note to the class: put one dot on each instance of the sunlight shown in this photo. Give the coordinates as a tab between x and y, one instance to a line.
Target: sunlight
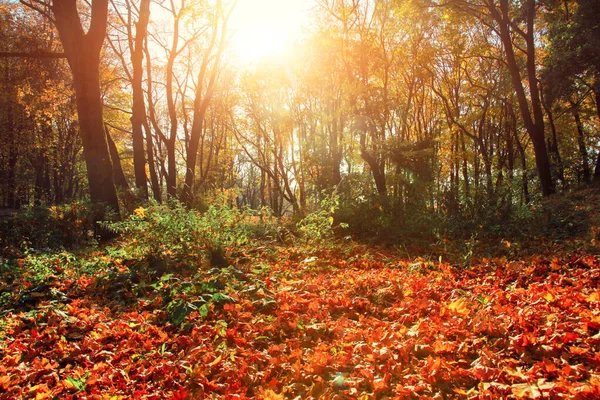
266	28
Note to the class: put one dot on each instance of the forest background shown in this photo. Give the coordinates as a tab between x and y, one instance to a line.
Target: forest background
397	199
422	116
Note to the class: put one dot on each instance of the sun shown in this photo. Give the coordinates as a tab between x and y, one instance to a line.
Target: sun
264	29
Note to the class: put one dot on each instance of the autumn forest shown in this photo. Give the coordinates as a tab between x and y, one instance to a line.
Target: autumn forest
339	199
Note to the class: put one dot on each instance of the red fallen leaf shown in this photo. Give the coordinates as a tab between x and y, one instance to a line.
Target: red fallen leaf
484	373
268	394
549	367
570	337
181	394
368	374
382	384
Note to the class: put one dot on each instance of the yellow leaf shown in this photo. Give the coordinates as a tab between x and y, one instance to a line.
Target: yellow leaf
549	297
459	306
268	394
140	212
216	361
525	390
43	395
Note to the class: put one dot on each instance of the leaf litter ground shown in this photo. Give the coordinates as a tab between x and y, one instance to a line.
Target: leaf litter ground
333	324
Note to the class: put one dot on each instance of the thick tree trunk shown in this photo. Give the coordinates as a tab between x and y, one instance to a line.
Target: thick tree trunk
83	54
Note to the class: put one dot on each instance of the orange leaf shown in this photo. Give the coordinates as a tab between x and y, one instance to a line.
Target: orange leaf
268	394
459	306
5	382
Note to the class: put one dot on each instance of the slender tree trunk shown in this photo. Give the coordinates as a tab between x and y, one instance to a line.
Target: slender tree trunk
553	142
156	190
119	175
465	170
152	165
138	115
203	97
12	145
171	168
533	124
336	152
525	178
585	165
597	98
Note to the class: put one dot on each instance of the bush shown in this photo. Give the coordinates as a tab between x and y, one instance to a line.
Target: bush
163	232
56	227
319	224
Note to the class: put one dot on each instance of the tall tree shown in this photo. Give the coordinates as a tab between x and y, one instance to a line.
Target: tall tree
134	69
82	50
514	24
206	82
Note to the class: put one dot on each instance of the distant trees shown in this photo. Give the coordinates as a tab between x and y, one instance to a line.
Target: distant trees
409	109
40	146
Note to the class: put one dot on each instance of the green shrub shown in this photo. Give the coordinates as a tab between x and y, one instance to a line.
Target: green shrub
319	224
56	227
163	232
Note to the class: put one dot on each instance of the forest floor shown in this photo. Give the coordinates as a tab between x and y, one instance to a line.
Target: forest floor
344	322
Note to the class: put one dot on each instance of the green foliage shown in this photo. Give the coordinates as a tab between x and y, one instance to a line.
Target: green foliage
80	383
319	224
173	232
56	227
563	217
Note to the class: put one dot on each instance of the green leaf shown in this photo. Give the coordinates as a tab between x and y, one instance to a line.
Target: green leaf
181	311
222	298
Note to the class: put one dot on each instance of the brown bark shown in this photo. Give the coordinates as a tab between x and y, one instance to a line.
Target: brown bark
156	183
597	98
534	124
377	168
585	165
119	175
138	116
83	54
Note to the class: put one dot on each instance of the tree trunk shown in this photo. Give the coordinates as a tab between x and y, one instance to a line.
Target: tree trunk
597	98
585	165
533	124
203	98
83	54
138	115
171	169
553	142
119	175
